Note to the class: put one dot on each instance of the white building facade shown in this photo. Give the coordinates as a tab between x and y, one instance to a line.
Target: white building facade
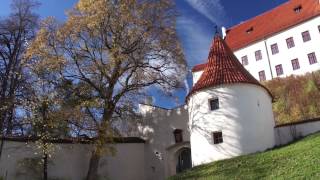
277	59
281	42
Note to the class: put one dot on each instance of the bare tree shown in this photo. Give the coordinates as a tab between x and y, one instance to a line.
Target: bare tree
15	32
112	52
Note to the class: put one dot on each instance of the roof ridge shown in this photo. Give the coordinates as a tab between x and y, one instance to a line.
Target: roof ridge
271	22
263	13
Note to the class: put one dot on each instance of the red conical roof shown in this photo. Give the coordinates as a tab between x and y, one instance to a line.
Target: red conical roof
223	67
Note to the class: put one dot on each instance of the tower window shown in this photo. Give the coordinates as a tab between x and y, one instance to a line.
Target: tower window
244	60
214	104
312	58
279	70
290	42
178	135
274	48
258	55
295	64
306	36
262	76
217	137
319	28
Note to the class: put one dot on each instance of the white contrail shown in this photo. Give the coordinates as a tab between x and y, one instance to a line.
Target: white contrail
211	9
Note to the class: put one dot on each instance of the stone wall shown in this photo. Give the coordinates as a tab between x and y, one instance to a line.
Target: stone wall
287	133
70	161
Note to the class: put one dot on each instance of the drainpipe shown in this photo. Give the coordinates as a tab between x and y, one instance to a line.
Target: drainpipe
265	44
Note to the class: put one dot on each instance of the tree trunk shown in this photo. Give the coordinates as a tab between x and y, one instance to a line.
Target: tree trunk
1	146
101	139
93	166
45	166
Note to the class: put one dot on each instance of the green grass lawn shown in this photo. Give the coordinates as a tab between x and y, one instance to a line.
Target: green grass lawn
300	160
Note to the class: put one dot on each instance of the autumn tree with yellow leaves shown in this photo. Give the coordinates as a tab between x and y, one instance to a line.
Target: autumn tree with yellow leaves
110	52
296	98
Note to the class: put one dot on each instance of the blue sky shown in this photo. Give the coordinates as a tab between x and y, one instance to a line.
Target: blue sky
195	25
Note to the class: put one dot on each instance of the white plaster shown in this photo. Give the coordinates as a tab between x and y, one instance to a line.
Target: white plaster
287	134
160	124
195	76
285	55
70	161
245	118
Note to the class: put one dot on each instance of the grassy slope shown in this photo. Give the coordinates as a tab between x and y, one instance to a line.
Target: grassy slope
300	160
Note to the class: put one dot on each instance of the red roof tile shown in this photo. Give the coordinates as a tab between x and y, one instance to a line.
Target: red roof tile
222	68
271	22
199	67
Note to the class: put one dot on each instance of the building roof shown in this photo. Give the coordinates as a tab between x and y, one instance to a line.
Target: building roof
276	20
198	67
83	140
269	23
223	67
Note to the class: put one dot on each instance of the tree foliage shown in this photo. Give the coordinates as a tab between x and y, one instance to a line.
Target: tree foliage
110	53
15	32
296	97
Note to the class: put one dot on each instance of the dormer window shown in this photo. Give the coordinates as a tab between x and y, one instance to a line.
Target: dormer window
178	135
214	104
249	30
298	9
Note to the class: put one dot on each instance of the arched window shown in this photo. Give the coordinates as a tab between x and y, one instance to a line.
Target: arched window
178	135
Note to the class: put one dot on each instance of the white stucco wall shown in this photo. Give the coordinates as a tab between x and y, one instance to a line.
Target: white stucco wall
245	118
157	129
70	161
285	55
286	134
195	76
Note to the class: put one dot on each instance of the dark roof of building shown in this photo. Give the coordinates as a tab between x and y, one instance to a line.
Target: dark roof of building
223	67
298	122
84	140
271	22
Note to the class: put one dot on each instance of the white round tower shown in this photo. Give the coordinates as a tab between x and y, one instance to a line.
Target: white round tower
230	112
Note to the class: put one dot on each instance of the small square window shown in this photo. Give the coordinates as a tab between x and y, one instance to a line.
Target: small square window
217	137
295	64
214	104
274	48
290	42
258	55
262	76
306	36
244	60
312	58
279	70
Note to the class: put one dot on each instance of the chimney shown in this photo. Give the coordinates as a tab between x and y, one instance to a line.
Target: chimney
224	31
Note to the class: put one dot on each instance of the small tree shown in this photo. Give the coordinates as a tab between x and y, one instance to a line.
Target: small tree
112	52
15	31
47	114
